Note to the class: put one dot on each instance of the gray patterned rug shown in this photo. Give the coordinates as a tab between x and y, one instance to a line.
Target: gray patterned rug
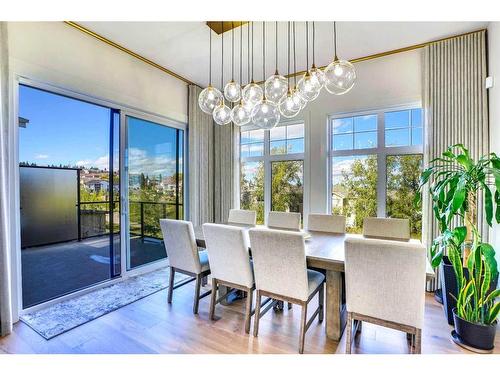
61	317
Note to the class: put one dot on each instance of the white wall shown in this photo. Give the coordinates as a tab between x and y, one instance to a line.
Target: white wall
494	108
384	82
55	53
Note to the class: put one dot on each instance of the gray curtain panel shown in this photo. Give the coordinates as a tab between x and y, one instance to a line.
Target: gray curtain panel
456	109
211	165
5	284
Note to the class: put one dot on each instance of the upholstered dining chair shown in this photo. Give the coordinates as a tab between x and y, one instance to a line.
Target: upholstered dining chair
184	257
230	264
326	223
245	217
281	273
385	285
386	228
283	220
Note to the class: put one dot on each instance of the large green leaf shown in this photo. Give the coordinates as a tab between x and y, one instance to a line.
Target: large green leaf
458	196
493	313
488	253
488	204
497	202
466	162
492	296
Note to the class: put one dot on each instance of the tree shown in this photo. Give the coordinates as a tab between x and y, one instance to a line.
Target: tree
403	176
360	186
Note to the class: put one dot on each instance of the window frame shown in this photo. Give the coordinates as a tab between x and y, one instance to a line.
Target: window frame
268	159
381	151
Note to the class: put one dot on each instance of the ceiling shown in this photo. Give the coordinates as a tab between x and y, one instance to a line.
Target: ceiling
183	47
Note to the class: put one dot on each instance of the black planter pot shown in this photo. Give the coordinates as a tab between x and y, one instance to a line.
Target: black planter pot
477	336
449	287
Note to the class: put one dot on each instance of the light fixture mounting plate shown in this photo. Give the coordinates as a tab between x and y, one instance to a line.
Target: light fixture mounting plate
222	26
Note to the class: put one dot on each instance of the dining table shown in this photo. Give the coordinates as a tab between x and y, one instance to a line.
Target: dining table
324	252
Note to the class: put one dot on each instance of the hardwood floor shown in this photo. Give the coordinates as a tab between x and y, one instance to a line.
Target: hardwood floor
151	325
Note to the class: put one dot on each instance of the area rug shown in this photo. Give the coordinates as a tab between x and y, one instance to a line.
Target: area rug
64	316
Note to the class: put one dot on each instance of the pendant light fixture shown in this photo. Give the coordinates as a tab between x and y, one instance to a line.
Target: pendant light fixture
314	71
232	90
309	86
252	93
276	86
210	97
265	114
240	115
340	75
287	106
297	97
222	113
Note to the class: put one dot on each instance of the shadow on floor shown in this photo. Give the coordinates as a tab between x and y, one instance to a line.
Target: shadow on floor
55	270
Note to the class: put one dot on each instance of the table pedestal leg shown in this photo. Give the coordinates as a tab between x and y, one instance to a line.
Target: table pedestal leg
336	316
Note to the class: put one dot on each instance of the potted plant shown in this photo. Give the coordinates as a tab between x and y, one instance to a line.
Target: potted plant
455	183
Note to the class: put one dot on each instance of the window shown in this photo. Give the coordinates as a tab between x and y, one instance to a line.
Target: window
287	139
376	159
271	169
155	186
403	128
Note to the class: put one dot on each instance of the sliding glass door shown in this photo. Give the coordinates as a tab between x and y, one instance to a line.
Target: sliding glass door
155	186
69	194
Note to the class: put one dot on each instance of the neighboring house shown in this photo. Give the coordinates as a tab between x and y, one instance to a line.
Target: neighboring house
97	185
338	200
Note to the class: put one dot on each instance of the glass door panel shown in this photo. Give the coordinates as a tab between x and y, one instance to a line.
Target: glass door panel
155	186
69	195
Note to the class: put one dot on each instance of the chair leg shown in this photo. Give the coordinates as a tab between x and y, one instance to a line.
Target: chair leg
418	341
303	322
171	284
321	303
348	328
197	294
248	310
256	318
213	299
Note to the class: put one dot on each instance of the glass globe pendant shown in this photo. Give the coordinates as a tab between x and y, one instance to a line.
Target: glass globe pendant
318	73
222	114
252	94
298	99
275	87
209	99
232	91
240	114
288	106
309	87
265	115
340	76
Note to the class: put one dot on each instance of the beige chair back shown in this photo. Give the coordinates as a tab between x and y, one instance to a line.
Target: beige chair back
228	254
245	217
326	223
180	244
284	220
279	261
386	228
386	279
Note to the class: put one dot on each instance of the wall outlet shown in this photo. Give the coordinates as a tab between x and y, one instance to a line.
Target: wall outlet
489	82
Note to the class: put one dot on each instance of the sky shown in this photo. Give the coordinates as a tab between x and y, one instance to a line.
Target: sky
67	131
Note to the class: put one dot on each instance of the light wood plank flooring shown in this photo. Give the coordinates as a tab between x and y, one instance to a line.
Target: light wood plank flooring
151	325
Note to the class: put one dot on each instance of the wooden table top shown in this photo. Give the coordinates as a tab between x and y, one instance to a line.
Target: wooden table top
323	250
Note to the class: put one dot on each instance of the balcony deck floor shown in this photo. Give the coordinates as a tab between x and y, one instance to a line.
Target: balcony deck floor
54	270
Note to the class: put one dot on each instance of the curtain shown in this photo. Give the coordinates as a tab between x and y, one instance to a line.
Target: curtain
5	298
211	165
456	110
